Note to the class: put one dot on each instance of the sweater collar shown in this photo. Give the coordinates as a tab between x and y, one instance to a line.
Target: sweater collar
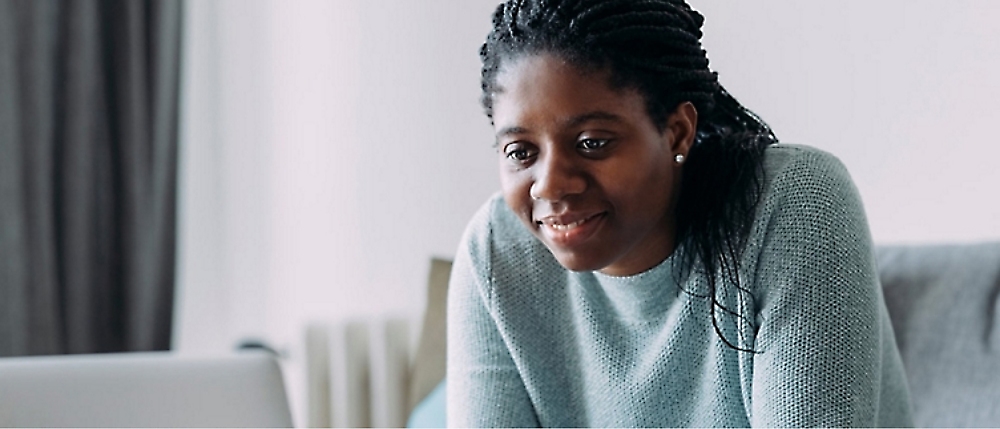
645	296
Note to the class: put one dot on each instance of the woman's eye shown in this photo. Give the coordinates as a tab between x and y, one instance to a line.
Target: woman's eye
592	144
517	153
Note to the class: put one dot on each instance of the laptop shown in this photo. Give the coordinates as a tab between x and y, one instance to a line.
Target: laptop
155	389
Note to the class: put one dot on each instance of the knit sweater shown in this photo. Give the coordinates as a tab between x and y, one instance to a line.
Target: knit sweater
531	343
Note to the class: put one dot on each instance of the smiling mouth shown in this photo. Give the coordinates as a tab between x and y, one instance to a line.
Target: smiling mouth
568	226
566	235
568	232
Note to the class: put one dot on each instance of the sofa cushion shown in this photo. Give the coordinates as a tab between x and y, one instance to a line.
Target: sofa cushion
428	367
432	411
943	303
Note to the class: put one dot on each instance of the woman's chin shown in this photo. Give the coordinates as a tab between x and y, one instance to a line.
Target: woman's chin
576	262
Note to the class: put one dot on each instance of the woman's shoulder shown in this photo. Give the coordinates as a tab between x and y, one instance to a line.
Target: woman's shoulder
798	171
798	159
807	194
495	234
495	221
810	215
505	259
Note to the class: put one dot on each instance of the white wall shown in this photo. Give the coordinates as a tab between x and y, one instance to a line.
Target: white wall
904	92
330	148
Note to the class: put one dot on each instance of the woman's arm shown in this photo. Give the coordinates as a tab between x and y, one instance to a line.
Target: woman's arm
484	386
826	347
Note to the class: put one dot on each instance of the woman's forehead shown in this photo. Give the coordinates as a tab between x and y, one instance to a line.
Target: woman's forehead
541	71
548	90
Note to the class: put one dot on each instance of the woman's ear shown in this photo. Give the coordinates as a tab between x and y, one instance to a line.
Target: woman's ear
682	125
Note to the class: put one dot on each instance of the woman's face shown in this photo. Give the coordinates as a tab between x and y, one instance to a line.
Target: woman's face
585	168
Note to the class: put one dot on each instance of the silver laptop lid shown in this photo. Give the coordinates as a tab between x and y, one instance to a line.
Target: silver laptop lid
143	390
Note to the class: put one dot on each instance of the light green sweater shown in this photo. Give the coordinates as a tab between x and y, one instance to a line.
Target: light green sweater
533	344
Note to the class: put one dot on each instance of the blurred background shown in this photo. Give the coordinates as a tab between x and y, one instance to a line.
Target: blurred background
326	150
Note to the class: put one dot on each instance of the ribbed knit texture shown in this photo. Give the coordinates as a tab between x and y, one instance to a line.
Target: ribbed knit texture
533	344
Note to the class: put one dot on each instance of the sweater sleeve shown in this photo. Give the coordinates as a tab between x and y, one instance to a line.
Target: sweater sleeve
484	386
819	339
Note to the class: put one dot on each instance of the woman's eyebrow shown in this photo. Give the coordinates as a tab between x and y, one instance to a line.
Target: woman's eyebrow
573	121
511	130
599	115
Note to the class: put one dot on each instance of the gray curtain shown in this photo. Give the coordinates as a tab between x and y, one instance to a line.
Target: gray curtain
88	171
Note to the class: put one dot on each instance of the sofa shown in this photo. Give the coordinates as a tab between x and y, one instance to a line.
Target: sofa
943	301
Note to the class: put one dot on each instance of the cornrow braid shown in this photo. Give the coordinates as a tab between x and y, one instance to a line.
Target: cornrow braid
654	46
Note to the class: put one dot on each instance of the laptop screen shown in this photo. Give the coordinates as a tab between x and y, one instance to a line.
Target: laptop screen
143	390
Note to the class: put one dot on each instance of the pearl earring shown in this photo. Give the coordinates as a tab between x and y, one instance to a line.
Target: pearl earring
679	158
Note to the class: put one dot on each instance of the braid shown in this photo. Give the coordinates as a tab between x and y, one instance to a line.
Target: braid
654	47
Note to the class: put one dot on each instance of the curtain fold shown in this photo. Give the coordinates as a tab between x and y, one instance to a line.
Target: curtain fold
88	170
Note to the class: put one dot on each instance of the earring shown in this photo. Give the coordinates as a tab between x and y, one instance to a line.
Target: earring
679	158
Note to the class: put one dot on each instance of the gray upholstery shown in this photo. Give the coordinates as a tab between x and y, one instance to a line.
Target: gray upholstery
943	304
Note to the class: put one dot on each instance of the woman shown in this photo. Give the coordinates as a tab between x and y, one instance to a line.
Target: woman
655	257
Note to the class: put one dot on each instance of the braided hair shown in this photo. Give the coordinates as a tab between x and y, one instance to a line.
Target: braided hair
653	46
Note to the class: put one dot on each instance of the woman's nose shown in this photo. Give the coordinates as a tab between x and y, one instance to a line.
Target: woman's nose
556	177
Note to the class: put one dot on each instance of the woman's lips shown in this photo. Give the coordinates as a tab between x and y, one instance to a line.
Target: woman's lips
570	231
